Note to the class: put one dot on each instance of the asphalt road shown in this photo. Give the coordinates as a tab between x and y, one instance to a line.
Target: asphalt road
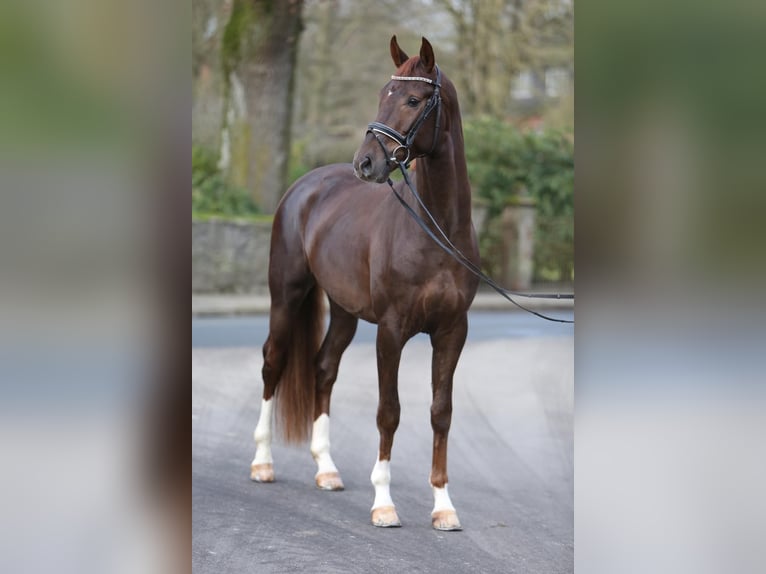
510	458
251	331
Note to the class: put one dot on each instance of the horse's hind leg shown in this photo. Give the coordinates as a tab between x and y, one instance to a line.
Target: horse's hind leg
339	335
447	345
283	310
274	355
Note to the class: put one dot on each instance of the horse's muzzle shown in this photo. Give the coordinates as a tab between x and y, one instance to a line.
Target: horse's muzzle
366	171
370	164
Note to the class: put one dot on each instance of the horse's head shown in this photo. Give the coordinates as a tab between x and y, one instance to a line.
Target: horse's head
407	125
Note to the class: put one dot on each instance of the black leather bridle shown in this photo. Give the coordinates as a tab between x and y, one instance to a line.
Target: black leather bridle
404	141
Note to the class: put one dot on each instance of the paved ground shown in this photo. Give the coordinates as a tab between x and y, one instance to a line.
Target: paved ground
511	472
251	330
220	304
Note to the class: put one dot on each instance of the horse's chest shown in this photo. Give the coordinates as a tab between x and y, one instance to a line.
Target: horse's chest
441	294
419	283
423	296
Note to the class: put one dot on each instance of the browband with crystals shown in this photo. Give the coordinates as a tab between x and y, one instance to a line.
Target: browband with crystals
413	78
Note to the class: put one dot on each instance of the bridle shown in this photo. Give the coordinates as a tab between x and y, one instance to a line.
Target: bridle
404	141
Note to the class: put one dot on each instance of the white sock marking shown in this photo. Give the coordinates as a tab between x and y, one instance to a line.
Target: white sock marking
381	479
320	445
262	434
441	499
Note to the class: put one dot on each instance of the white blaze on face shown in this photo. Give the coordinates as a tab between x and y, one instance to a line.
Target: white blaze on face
381	479
390	92
441	499
262	434
320	445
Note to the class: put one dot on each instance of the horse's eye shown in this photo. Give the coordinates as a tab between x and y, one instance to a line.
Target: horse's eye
413	102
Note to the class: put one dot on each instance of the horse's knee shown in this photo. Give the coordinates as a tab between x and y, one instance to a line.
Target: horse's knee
388	416
441	419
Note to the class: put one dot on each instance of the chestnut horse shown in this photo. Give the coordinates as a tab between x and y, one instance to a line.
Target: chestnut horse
338	231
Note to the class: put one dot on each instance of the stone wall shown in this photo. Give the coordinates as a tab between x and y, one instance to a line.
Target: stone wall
230	256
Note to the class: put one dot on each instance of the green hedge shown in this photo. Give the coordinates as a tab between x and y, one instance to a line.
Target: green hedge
501	161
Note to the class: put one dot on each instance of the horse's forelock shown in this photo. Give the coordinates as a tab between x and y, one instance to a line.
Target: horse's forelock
412	67
409	67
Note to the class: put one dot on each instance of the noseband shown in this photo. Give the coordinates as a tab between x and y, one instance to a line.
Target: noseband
404	141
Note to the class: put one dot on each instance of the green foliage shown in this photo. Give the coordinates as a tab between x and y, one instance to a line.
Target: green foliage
211	194
204	162
501	162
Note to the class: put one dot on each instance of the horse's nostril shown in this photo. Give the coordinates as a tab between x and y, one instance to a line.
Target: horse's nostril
366	165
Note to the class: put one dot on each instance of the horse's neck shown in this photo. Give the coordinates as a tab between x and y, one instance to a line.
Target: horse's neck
442	182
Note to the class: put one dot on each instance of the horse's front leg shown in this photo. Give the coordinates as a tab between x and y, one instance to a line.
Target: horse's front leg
389	351
447	345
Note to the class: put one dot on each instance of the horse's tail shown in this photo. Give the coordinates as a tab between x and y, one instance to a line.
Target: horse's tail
296	389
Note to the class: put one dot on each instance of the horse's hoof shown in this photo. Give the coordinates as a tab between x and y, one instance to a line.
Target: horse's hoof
385	517
329	481
445	520
262	472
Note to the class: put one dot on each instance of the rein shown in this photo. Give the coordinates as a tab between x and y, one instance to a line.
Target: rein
449	248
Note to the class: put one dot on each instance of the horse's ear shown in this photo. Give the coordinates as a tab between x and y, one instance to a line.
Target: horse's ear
397	54
427	55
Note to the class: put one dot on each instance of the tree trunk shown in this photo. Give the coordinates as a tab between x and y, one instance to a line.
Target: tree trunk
208	20
263	39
